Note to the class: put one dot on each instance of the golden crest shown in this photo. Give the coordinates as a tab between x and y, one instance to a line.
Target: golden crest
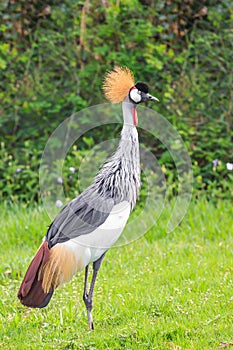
117	84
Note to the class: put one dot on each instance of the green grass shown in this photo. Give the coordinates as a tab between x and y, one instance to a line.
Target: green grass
164	291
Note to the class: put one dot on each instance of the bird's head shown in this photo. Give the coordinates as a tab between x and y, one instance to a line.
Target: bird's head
119	86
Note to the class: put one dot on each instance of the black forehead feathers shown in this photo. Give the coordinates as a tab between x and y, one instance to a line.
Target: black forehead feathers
142	87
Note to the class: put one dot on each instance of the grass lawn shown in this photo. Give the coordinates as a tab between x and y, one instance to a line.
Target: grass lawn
164	291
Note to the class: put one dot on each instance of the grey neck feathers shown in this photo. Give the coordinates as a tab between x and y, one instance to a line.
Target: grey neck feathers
127	108
119	177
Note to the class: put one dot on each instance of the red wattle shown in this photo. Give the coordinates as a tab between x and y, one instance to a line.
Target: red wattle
135	117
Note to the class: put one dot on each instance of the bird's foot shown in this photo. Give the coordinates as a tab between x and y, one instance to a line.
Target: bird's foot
88	303
90	320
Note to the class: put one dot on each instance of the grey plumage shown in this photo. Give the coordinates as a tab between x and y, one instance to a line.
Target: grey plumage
117	181
120	176
81	216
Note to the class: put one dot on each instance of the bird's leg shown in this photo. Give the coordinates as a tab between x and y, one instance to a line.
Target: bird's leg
85	292
87	297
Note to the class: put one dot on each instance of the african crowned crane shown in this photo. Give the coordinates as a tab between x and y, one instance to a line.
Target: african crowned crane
92	222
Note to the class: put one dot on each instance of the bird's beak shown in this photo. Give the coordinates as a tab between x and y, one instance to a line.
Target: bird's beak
148	97
152	98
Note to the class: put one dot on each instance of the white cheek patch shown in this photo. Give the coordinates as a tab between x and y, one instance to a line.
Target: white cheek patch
135	95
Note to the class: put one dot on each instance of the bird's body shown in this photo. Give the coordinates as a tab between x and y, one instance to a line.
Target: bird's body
91	223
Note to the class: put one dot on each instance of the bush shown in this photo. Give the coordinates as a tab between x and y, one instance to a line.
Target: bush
53	57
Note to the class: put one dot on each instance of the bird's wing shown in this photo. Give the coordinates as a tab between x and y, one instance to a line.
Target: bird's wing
81	216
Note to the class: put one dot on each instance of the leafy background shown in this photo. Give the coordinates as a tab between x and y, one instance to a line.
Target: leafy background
53	56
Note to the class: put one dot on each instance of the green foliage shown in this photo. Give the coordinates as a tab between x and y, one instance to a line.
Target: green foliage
19	173
53	57
164	291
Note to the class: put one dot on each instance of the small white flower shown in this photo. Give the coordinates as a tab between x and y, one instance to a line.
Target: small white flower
19	170
59	180
72	169
229	166
59	203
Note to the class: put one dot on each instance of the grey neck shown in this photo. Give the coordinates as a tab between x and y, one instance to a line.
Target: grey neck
127	108
119	177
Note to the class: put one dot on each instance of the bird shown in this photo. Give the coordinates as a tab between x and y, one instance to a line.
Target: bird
87	226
